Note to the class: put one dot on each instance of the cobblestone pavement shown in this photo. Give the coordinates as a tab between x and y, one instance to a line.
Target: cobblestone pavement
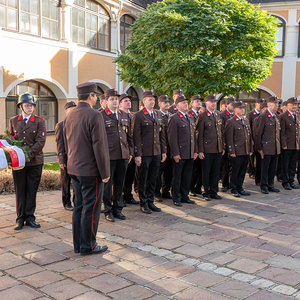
236	248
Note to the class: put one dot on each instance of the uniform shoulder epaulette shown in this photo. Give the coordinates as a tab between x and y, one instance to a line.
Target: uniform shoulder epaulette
32	120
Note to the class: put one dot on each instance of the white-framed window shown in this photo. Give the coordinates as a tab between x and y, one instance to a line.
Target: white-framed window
280	36
90	25
125	34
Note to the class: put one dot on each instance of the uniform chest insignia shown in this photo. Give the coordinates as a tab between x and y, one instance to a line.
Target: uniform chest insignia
269	115
227	113
155	112
219	121
43	133
108	112
208	113
119	111
180	115
32	118
124	120
145	111
289	115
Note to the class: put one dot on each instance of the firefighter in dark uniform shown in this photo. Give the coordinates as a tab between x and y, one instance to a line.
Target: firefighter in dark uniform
196	181
173	109
210	146
182	141
267	142
87	158
226	115
164	177
31	129
149	149
251	115
64	176
103	102
125	104
290	143
120	146
239	144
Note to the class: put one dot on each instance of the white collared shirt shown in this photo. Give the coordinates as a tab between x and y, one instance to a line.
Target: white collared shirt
195	111
116	113
271	113
258	112
28	118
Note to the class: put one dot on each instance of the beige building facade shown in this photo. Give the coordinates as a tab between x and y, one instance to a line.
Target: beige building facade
50	46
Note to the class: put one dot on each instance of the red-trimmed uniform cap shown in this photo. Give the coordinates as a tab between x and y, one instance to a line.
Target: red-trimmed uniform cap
86	88
124	95
163	98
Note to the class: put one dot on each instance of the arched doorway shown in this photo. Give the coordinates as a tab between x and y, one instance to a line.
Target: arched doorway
134	100
46	102
100	92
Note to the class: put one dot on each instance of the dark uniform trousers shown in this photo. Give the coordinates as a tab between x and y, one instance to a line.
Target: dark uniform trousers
288	165
182	174
26	183
257	167
112	198
225	170
147	178
238	169
164	177
211	172
268	170
197	175
65	187
129	179
86	213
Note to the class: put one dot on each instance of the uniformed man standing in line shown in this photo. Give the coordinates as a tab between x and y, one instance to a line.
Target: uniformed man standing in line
196	181
222	105
164	177
60	146
149	149
267	141
103	102
173	109
210	146
31	130
251	116
88	165
239	144
226	115
182	140
290	143
284	107
120	145
125	104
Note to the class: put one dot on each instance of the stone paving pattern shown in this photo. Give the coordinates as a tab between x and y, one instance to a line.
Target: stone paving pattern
236	248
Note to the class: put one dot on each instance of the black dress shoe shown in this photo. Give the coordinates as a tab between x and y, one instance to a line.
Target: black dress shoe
145	209
124	204
293	186
109	217
187	201
33	224
193	194
177	203
19	226
119	215
96	250
272	189
76	251
264	190
207	198
224	189
244	193
153	207
252	176
235	194
132	201
158	198
216	196
68	207
167	196
287	187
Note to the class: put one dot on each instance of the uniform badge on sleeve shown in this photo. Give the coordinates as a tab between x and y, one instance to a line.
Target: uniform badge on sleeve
43	133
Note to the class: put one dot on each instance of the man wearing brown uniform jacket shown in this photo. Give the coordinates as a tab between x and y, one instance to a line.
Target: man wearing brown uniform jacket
183	148
88	164
267	142
290	143
149	149
239	144
64	176
210	146
120	146
31	130
173	109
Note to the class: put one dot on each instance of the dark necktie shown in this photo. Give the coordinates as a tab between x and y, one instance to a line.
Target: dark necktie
187	117
129	116
213	114
25	121
167	115
294	116
243	122
152	115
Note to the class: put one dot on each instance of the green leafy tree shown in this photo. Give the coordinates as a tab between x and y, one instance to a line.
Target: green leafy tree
205	46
